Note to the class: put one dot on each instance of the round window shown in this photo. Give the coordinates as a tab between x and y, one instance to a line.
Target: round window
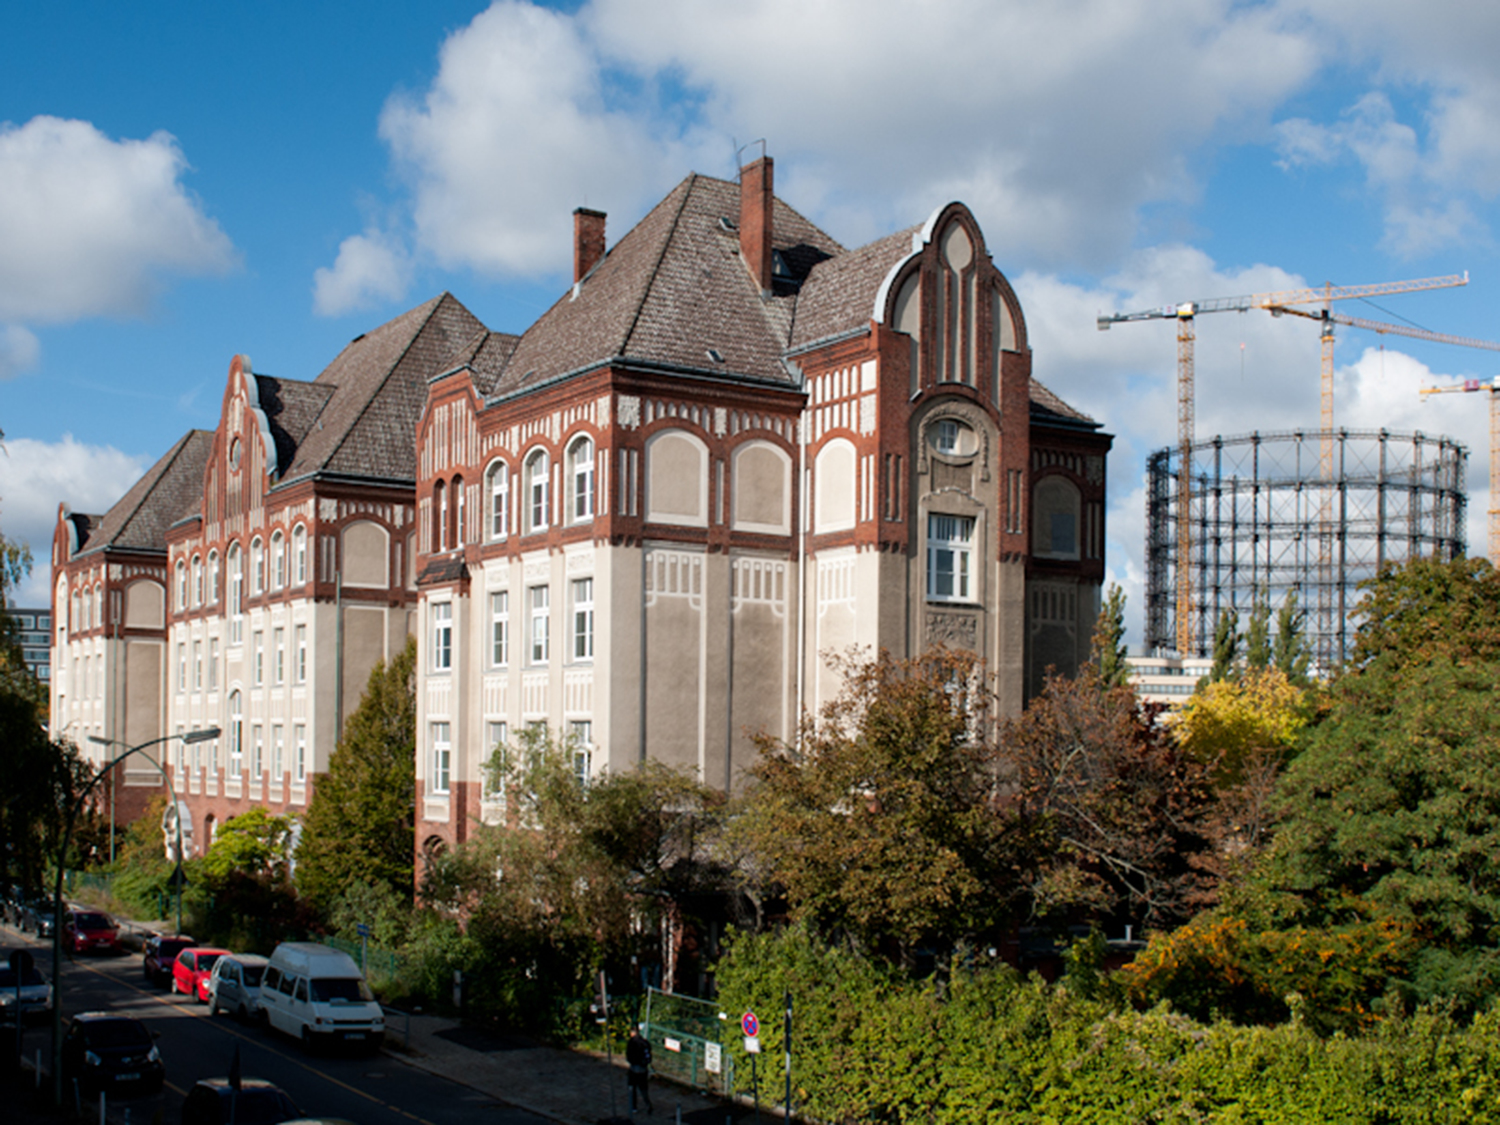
949	435
234	454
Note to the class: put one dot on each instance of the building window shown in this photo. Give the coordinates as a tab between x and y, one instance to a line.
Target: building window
181	669
492	776
278	561
182	594
257	568
581	745
950	547
278	754
581	464
946	437
540	610
440	507
258	658
236	736
583	619
299	749
536	491
197	584
460	532
257	752
442	636
197	665
236	595
213	663
278	657
213	578
499	500
299	555
301	654
442	757
500	628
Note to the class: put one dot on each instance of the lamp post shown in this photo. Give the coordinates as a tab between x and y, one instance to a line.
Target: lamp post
107	769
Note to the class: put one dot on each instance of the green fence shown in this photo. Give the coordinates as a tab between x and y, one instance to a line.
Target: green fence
686	1041
378	964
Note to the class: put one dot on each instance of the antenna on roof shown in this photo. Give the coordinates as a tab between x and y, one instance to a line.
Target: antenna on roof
738	163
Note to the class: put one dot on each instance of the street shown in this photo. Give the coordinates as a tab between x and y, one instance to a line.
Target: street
369	1090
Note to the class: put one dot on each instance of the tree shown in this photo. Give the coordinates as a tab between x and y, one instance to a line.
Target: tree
1109	653
1109	809
255	843
1226	646
1258	635
1224	722
1290	652
879	820
360	827
1428	609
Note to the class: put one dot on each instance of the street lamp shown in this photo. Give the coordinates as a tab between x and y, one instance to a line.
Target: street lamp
205	735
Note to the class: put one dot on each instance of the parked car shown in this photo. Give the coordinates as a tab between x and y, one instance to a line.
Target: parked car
87	931
105	1051
36	994
257	1102
234	985
159	954
190	970
318	995
38	916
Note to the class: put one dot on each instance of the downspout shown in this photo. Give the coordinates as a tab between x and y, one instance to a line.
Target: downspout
801	552
338	656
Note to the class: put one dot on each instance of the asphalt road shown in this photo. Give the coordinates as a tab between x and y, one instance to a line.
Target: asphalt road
368	1090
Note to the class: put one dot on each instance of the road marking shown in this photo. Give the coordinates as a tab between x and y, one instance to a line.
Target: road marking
169	1002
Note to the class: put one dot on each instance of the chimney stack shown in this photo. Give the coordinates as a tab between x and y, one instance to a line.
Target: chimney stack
756	195
588	241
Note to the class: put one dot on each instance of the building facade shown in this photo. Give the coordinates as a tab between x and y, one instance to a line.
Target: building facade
732	452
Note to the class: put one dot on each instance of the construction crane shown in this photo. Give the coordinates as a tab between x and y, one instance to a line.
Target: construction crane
1493	386
1278	302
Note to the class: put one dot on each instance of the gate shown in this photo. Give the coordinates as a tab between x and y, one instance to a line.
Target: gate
684	1033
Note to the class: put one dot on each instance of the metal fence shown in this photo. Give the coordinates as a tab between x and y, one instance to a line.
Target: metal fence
377	964
686	1041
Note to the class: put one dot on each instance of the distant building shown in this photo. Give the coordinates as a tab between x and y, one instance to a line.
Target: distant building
34	632
1168	680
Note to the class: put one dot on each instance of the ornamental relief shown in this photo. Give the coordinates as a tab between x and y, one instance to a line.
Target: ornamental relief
955	629
971	416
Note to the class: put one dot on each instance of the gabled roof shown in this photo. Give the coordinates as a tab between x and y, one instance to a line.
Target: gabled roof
375	390
839	294
1047	407
169	490
672	289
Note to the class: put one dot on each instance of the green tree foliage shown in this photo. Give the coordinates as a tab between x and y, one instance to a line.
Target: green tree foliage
1226	646
360	826
255	843
1108	645
880	819
240	894
1289	652
580	876
1429	609
1258	635
1106	811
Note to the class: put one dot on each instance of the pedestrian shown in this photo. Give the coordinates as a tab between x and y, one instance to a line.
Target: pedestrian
638	1056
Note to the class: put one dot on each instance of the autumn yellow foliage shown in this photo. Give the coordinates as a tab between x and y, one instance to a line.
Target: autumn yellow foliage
1225	722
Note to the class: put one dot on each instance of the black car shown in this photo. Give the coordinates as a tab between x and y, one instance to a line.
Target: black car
160	951
256	1103
104	1051
39	915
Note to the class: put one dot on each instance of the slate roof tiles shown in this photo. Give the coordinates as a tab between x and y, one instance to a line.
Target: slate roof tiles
170	489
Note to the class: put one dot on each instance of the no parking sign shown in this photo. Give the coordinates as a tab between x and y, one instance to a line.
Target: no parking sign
750	1025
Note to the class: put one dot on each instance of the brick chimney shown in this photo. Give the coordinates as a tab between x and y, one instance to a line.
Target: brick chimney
756	194
588	241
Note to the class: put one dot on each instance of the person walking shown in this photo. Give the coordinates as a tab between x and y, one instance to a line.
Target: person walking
638	1056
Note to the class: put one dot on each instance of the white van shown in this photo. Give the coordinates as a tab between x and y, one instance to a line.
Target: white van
319	995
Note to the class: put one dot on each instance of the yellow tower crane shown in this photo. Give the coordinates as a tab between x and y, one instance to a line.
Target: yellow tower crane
1493	386
1276	303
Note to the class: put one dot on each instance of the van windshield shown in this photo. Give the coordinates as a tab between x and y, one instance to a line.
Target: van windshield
341	990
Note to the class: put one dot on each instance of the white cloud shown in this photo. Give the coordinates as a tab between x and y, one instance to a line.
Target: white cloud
37	476
370	267
18	350
89	225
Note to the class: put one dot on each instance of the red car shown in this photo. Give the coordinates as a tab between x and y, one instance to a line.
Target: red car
190	972
86	930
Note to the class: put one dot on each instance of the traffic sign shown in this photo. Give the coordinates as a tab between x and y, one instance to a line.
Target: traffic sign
750	1025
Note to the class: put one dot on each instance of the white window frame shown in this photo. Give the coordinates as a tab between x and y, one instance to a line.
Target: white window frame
442	758
581	743
301	657
236	735
236	594
197	665
257	750
539	606
257	567
491	787
278	561
278	655
213	578
442	636
182	591
299	555
213	663
950	557
182	667
500	629
278	753
258	657
538	474
499	489
583	619
581	476
299	749
198	598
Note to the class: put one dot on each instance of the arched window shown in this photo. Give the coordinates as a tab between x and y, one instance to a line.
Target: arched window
197	581
213	578
440	516
499	499
278	561
75	616
236	735
98	606
536	491
299	555
257	567
182	586
236	594
581	470
460	532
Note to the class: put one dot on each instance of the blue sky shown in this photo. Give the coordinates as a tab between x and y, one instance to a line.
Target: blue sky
182	182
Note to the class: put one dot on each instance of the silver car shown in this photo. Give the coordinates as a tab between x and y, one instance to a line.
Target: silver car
35	998
234	985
